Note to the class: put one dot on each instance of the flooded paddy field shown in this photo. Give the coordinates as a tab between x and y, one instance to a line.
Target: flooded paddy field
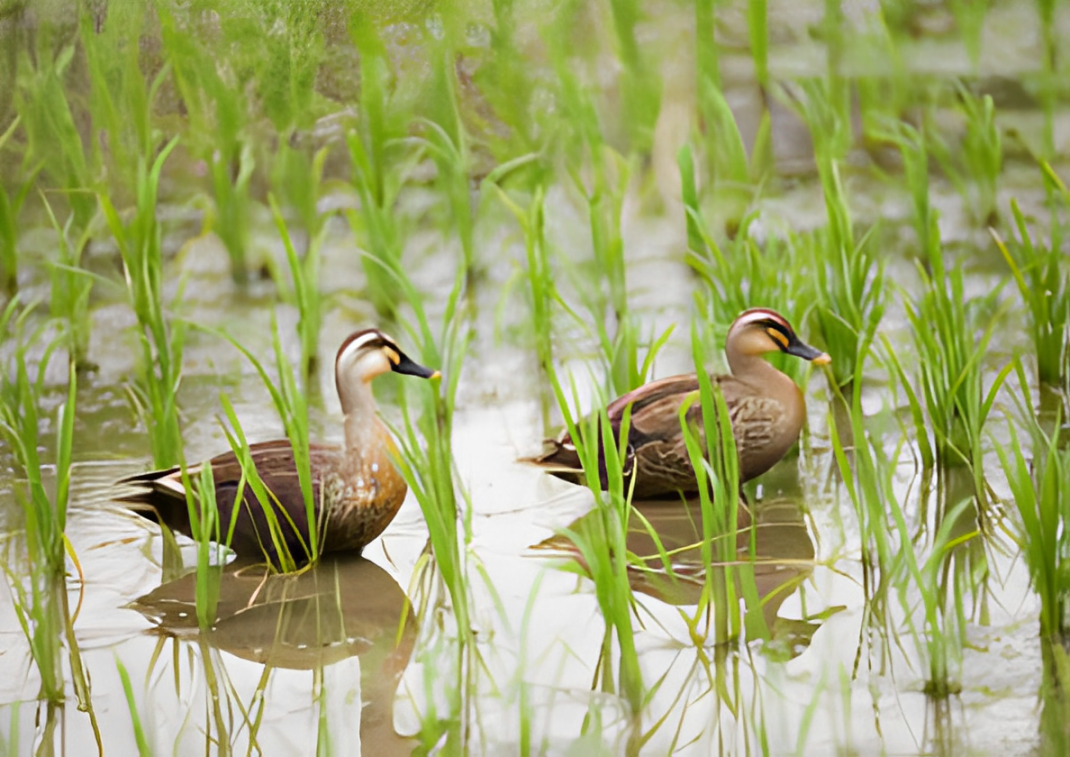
552	204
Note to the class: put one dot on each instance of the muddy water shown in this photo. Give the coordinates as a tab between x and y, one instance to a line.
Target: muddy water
319	658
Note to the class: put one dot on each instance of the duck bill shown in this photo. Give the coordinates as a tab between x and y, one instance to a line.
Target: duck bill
806	352
410	368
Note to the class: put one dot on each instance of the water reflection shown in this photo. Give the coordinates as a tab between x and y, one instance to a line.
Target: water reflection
772	536
342	607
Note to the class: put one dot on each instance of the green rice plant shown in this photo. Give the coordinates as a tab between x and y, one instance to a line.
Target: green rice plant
889	555
448	148
40	596
297	183
142	742
538	274
976	168
740	273
121	96
303	291
52	138
162	340
1043	281
640	87
912	146
377	174
71	287
1050	75
217	116
602	542
711	447
732	174
758	31
1055	700
970	19
10	205
951	335
1040	488
426	461
233	207
850	287
290	397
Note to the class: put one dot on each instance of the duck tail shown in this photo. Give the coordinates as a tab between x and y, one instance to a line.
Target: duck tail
558	458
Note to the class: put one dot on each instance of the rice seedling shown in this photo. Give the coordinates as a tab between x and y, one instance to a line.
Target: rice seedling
52	139
217	118
303	292
1040	488
602	541
975	170
448	148
40	596
758	31
161	340
850	285
377	175
740	273
121	96
10	205
951	334
71	286
142	742
297	184
1043	282
640	88
539	276
711	447
890	557
426	461
290	398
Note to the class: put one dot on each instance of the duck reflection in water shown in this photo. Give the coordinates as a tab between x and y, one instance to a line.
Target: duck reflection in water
339	608
783	556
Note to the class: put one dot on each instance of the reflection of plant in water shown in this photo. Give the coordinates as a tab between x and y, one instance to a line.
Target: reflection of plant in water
39	589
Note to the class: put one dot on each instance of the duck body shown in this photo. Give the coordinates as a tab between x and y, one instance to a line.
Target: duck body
356	490
766	408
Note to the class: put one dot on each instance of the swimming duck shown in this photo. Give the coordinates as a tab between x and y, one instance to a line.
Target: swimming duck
766	407
356	489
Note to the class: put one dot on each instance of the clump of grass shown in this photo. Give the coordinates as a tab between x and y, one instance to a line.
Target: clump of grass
976	169
640	88
70	288
1040	488
52	139
1043	280
303	291
377	175
711	447
951	334
161	339
426	461
890	554
603	543
217	121
539	276
290	397
40	598
10	205
850	286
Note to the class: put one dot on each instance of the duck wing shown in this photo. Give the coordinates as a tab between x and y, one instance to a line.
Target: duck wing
161	497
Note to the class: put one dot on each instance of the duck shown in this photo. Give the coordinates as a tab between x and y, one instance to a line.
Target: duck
356	488
766	407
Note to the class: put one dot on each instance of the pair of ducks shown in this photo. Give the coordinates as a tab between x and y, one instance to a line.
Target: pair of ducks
357	490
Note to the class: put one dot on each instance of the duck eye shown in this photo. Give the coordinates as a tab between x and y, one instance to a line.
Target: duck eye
778	337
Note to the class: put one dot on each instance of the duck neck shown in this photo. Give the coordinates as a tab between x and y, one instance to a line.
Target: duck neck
757	371
361	421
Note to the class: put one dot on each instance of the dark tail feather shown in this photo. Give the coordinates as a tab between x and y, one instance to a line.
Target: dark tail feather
558	458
